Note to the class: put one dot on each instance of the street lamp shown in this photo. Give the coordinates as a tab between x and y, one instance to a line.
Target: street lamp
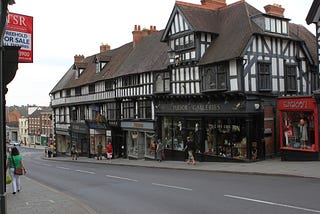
3	15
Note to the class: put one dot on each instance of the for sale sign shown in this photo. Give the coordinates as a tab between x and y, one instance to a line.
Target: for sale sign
19	32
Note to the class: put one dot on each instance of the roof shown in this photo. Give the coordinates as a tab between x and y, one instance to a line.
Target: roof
234	28
314	12
114	59
149	54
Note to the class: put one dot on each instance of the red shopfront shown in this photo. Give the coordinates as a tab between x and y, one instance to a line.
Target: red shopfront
299	135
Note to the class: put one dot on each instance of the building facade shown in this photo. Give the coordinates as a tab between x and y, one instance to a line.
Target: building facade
214	74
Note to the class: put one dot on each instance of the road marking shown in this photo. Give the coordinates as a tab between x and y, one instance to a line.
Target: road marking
44	164
121	178
175	187
52	201
78	170
61	167
274	204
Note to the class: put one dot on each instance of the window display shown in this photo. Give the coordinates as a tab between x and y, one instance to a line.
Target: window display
215	137
150	145
298	130
225	138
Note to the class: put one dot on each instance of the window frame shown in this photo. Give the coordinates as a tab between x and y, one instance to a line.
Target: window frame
264	76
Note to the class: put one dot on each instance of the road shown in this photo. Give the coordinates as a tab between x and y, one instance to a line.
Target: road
124	189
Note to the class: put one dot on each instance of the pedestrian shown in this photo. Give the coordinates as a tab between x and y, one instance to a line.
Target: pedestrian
15	161
109	150
49	152
99	148
190	148
74	152
160	150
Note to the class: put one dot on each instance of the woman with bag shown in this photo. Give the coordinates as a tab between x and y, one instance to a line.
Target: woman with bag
16	168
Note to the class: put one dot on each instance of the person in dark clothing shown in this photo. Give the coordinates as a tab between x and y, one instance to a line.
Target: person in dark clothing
190	148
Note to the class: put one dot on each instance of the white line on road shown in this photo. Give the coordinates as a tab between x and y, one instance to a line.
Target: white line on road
121	178
78	170
61	167
272	203
175	187
44	164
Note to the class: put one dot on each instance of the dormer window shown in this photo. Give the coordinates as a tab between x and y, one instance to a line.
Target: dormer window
275	25
99	65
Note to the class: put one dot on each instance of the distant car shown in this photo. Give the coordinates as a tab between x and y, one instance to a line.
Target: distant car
14	143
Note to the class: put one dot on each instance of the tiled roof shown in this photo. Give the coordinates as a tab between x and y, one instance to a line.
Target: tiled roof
148	55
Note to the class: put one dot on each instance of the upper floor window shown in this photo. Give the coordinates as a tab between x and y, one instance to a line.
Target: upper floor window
276	25
290	76
162	82
78	91
182	43
91	88
144	111
264	76
68	92
109	85
128	109
215	77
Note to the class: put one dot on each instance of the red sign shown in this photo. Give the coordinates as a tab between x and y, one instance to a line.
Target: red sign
19	32
296	104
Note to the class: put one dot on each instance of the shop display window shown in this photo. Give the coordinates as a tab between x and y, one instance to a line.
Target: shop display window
173	134
132	143
298	130
225	138
150	145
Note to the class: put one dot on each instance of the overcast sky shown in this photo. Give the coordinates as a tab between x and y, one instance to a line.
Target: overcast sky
62	29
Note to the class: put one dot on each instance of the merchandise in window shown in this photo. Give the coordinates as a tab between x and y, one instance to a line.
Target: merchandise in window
298	130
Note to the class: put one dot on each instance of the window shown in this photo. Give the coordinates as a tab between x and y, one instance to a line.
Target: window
162	82
108	85
68	92
91	88
145	111
215	77
78	91
276	25
290	78
183	43
298	130
128	110
264	76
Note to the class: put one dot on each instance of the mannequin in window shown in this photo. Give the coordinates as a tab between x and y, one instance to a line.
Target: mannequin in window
303	132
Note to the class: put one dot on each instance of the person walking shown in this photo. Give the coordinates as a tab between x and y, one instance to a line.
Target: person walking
160	150
190	148
74	152
99	148
109	151
15	161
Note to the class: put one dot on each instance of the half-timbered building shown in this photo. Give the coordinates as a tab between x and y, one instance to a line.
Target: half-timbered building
214	74
229	64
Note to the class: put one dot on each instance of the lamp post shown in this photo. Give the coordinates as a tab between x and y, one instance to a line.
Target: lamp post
3	14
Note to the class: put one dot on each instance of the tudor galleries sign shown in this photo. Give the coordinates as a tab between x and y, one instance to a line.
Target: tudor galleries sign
19	32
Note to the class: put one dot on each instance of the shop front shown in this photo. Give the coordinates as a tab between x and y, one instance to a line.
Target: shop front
79	134
299	128
99	133
221	131
140	139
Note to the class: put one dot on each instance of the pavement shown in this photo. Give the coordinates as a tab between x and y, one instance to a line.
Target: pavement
37	198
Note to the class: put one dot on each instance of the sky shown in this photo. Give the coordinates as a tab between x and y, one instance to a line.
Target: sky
63	29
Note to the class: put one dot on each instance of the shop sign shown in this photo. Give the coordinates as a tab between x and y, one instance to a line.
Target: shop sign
296	104
196	107
19	33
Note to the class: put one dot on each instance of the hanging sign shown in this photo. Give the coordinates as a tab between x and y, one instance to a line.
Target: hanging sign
19	32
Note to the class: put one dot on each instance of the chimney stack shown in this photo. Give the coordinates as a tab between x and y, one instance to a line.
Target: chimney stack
104	48
78	58
275	10
138	34
213	4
